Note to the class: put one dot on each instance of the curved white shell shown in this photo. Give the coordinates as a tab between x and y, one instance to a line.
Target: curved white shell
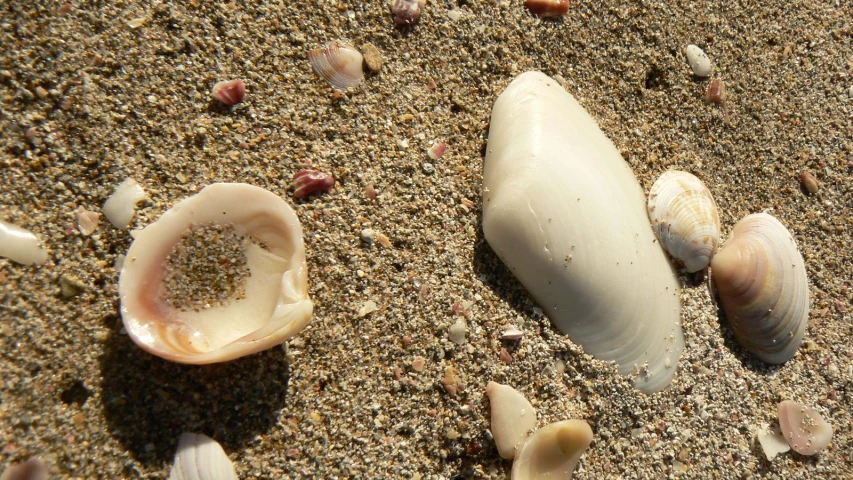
761	280
804	428
685	219
21	245
553	451
121	205
200	457
513	418
338	64
565	213
276	305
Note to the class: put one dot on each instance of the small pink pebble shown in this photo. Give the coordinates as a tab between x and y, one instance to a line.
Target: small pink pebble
229	92
310	181
436	151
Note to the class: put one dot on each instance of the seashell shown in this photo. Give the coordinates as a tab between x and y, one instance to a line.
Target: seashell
548	8
772	442
229	92
698	61
684	218
553	451
200	457
87	221
512	333
121	205
513	418
761	280
804	428
809	182
276	304
716	92
564	212
338	64
407	12
310	181
21	245
32	469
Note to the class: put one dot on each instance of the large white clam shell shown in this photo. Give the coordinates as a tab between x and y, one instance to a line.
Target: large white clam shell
565	213
200	457
276	304
685	219
553	451
513	418
761	280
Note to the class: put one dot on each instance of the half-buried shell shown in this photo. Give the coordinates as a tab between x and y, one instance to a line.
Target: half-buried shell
564	212
685	219
553	451
761	280
276	304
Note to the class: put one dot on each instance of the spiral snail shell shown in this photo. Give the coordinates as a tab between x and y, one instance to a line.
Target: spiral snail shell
761	280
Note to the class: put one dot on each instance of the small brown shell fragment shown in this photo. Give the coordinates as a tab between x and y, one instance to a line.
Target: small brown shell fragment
338	64
548	8
804	428
229	92
809	182
310	181
407	12
716	92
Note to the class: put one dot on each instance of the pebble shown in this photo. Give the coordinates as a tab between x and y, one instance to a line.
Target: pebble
456	332
698	61
428	168
372	57
368	236
71	286
809	182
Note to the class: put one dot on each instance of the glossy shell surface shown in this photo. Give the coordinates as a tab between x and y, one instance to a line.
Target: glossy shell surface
564	212
338	64
761	280
685	219
552	451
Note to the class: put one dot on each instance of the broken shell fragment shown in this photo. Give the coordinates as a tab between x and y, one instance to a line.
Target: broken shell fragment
772	442
512	333
761	280
407	12
548	8
804	428
200	457
229	92
685	219
307	182
716	92
87	221
338	64
276	304
564	212
21	245
553	451
513	418
119	208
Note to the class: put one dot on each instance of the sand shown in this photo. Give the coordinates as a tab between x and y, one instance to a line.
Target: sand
95	93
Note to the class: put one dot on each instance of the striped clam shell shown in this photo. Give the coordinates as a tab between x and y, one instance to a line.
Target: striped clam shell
337	63
685	219
761	280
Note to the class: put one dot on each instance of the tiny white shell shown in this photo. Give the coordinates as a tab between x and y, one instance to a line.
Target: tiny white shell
698	61
21	245
512	333
513	418
553	451
119	208
761	280
685	219
276	304
563	210
338	64
200	457
804	428
772	442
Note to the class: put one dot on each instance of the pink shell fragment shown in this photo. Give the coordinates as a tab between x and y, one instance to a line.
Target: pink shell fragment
512	333
229	92
436	151
804	428
310	181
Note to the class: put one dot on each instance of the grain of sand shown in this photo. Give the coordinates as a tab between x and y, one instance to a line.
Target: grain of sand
100	91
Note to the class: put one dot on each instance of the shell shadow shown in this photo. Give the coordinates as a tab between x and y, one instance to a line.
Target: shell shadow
747	359
148	402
